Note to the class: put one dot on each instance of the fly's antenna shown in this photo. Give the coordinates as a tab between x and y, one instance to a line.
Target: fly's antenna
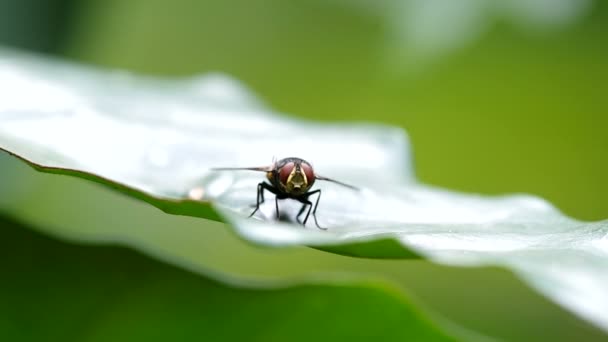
337	182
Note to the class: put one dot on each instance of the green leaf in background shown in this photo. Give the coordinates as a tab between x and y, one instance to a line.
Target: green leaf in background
156	140
55	291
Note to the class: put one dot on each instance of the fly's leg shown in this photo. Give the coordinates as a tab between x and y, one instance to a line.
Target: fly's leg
276	205
314	211
306	202
260	196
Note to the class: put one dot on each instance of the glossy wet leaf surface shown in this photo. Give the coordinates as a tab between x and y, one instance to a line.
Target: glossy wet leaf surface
157	140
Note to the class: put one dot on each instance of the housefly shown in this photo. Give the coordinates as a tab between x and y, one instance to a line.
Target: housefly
290	178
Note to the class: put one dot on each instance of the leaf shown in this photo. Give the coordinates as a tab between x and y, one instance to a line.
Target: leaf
477	299
157	140
111	293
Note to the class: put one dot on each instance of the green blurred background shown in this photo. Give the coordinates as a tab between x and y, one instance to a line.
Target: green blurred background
515	107
497	96
517	104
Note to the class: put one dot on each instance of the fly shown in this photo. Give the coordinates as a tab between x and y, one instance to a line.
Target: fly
290	178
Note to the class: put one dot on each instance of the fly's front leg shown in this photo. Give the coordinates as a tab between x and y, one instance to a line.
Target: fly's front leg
306	202
314	211
260	196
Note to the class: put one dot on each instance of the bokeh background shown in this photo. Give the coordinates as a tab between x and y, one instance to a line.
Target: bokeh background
496	96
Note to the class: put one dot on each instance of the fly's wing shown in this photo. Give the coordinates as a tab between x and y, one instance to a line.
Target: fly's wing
337	182
259	168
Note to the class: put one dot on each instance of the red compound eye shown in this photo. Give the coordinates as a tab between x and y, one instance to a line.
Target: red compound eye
310	175
285	172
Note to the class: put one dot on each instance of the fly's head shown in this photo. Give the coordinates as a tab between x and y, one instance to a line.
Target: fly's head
293	176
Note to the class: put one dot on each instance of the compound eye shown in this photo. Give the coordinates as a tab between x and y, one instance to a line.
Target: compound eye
285	172
310	175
